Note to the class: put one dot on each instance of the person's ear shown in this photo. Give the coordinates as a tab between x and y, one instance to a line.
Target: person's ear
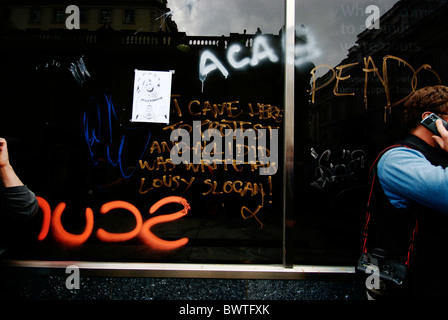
425	114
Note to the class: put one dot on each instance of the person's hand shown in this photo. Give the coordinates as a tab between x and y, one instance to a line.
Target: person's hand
442	141
4	158
7	174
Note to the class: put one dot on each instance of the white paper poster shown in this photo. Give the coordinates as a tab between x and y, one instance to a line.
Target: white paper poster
152	96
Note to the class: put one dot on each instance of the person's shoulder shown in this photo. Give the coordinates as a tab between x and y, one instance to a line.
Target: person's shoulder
398	158
400	152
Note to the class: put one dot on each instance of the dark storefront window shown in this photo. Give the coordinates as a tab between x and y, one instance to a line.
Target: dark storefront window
129	16
105	15
83	15
93	118
106	172
35	16
59	16
367	56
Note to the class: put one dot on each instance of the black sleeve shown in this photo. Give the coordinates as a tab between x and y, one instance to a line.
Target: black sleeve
17	202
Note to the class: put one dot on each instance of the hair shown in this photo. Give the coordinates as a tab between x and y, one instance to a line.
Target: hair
434	99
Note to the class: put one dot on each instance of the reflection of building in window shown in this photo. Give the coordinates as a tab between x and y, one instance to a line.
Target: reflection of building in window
59	16
411	31
106	16
82	15
120	15
129	16
35	16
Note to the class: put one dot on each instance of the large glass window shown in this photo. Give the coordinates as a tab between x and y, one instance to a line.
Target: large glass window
366	57
107	173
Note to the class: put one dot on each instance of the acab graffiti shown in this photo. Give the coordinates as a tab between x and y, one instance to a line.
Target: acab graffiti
141	231
260	51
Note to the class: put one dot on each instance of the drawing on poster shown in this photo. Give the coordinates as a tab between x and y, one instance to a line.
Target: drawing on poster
152	93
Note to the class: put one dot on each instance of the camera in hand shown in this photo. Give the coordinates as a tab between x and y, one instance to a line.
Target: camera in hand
389	270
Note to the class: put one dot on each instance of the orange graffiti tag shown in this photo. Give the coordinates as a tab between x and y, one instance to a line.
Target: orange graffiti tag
105	236
46	210
52	220
150	238
70	239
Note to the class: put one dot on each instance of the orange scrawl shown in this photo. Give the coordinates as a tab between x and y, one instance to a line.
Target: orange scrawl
105	236
150	239
64	237
46	210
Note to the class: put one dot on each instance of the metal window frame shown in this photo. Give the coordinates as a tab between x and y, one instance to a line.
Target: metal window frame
288	156
184	270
